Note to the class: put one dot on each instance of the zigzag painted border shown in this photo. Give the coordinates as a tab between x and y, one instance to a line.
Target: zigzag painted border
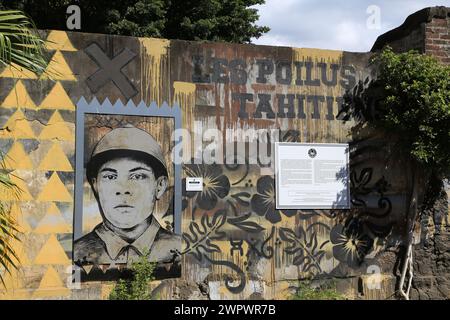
130	108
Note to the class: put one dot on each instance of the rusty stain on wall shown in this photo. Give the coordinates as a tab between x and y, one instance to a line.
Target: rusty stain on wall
154	70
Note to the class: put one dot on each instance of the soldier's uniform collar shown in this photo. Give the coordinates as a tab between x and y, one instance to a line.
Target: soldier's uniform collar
115	245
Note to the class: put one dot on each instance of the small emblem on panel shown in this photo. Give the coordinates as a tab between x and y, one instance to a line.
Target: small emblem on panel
312	153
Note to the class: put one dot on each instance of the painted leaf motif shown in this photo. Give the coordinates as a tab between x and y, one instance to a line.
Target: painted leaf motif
298	259
313	241
198	239
307	214
239	219
240	198
304	247
292	250
247	226
320	255
308	264
288	235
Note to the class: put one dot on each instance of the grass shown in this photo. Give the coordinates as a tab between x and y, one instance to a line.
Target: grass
324	292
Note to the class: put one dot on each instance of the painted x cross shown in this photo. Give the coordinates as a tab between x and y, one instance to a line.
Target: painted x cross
110	69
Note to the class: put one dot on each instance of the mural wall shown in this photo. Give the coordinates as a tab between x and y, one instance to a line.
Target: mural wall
232	242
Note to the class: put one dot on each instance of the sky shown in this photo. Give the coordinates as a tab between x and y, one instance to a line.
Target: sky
349	25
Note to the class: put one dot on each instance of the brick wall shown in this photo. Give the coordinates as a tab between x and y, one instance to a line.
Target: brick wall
426	31
437	38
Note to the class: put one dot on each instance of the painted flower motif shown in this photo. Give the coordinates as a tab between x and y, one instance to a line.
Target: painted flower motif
350	244
263	202
215	185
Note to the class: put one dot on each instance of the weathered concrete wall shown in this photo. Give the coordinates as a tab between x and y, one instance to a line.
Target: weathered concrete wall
248	249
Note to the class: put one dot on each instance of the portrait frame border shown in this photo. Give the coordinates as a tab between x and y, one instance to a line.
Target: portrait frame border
129	109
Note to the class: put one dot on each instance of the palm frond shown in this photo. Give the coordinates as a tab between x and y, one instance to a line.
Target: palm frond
22	48
8	229
20	43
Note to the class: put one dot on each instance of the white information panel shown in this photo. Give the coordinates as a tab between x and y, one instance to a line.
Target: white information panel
312	176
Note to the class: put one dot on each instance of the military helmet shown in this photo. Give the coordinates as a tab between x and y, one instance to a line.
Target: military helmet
127	142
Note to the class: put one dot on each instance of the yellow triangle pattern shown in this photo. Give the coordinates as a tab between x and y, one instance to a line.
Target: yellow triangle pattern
55	190
51	285
17	127
17	214
17	294
18	98
55	160
53	222
52	253
17	158
14	195
53	209
17	72
58	40
21	253
58	69
51	279
56	129
12	281
57	99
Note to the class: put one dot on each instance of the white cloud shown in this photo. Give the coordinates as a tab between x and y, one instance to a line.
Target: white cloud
347	34
331	24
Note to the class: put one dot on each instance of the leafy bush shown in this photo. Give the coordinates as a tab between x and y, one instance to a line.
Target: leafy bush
410	100
136	288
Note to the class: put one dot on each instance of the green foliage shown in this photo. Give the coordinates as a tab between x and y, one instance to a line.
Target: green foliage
410	100
214	20
325	292
144	18
8	230
19	43
136	288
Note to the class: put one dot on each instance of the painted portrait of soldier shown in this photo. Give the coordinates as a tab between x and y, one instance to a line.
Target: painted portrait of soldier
128	175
